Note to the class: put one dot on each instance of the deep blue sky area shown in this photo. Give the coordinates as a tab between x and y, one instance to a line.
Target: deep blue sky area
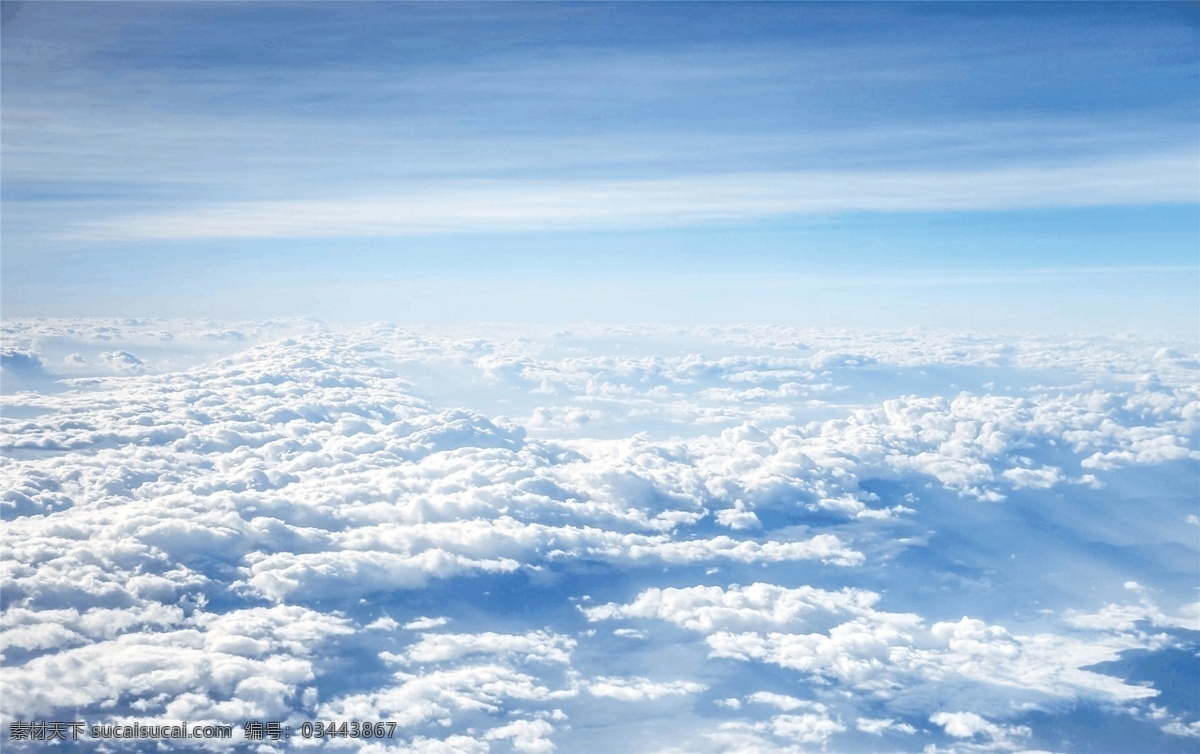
484	143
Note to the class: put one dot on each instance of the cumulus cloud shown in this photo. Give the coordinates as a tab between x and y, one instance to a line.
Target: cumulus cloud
526	736
21	362
738	518
253	519
639	689
540	646
439	696
876	727
708	609
779	733
124	361
968	725
318	575
247	663
1184	730
384	623
841	637
783	701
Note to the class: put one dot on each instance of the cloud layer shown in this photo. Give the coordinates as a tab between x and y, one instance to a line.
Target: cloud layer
739	539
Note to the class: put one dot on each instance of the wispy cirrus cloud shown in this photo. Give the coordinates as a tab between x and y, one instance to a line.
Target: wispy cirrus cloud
499	206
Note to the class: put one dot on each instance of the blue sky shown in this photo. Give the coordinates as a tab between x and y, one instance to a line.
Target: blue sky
456	161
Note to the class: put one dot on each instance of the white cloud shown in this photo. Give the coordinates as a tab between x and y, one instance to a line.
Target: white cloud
454	744
785	732
1185	730
228	667
526	736
540	646
1043	478
1116	617
313	576
806	728
438	696
968	725
479	206
782	701
385	623
965	724
738	518
640	689
841	637
708	609
150	515
877	726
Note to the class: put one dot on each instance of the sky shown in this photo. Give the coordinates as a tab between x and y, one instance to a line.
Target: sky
715	378
998	166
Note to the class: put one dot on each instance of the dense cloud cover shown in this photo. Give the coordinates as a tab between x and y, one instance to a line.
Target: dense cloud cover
603	539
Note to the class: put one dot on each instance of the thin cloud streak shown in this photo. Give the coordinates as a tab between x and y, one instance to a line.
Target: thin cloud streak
486	206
